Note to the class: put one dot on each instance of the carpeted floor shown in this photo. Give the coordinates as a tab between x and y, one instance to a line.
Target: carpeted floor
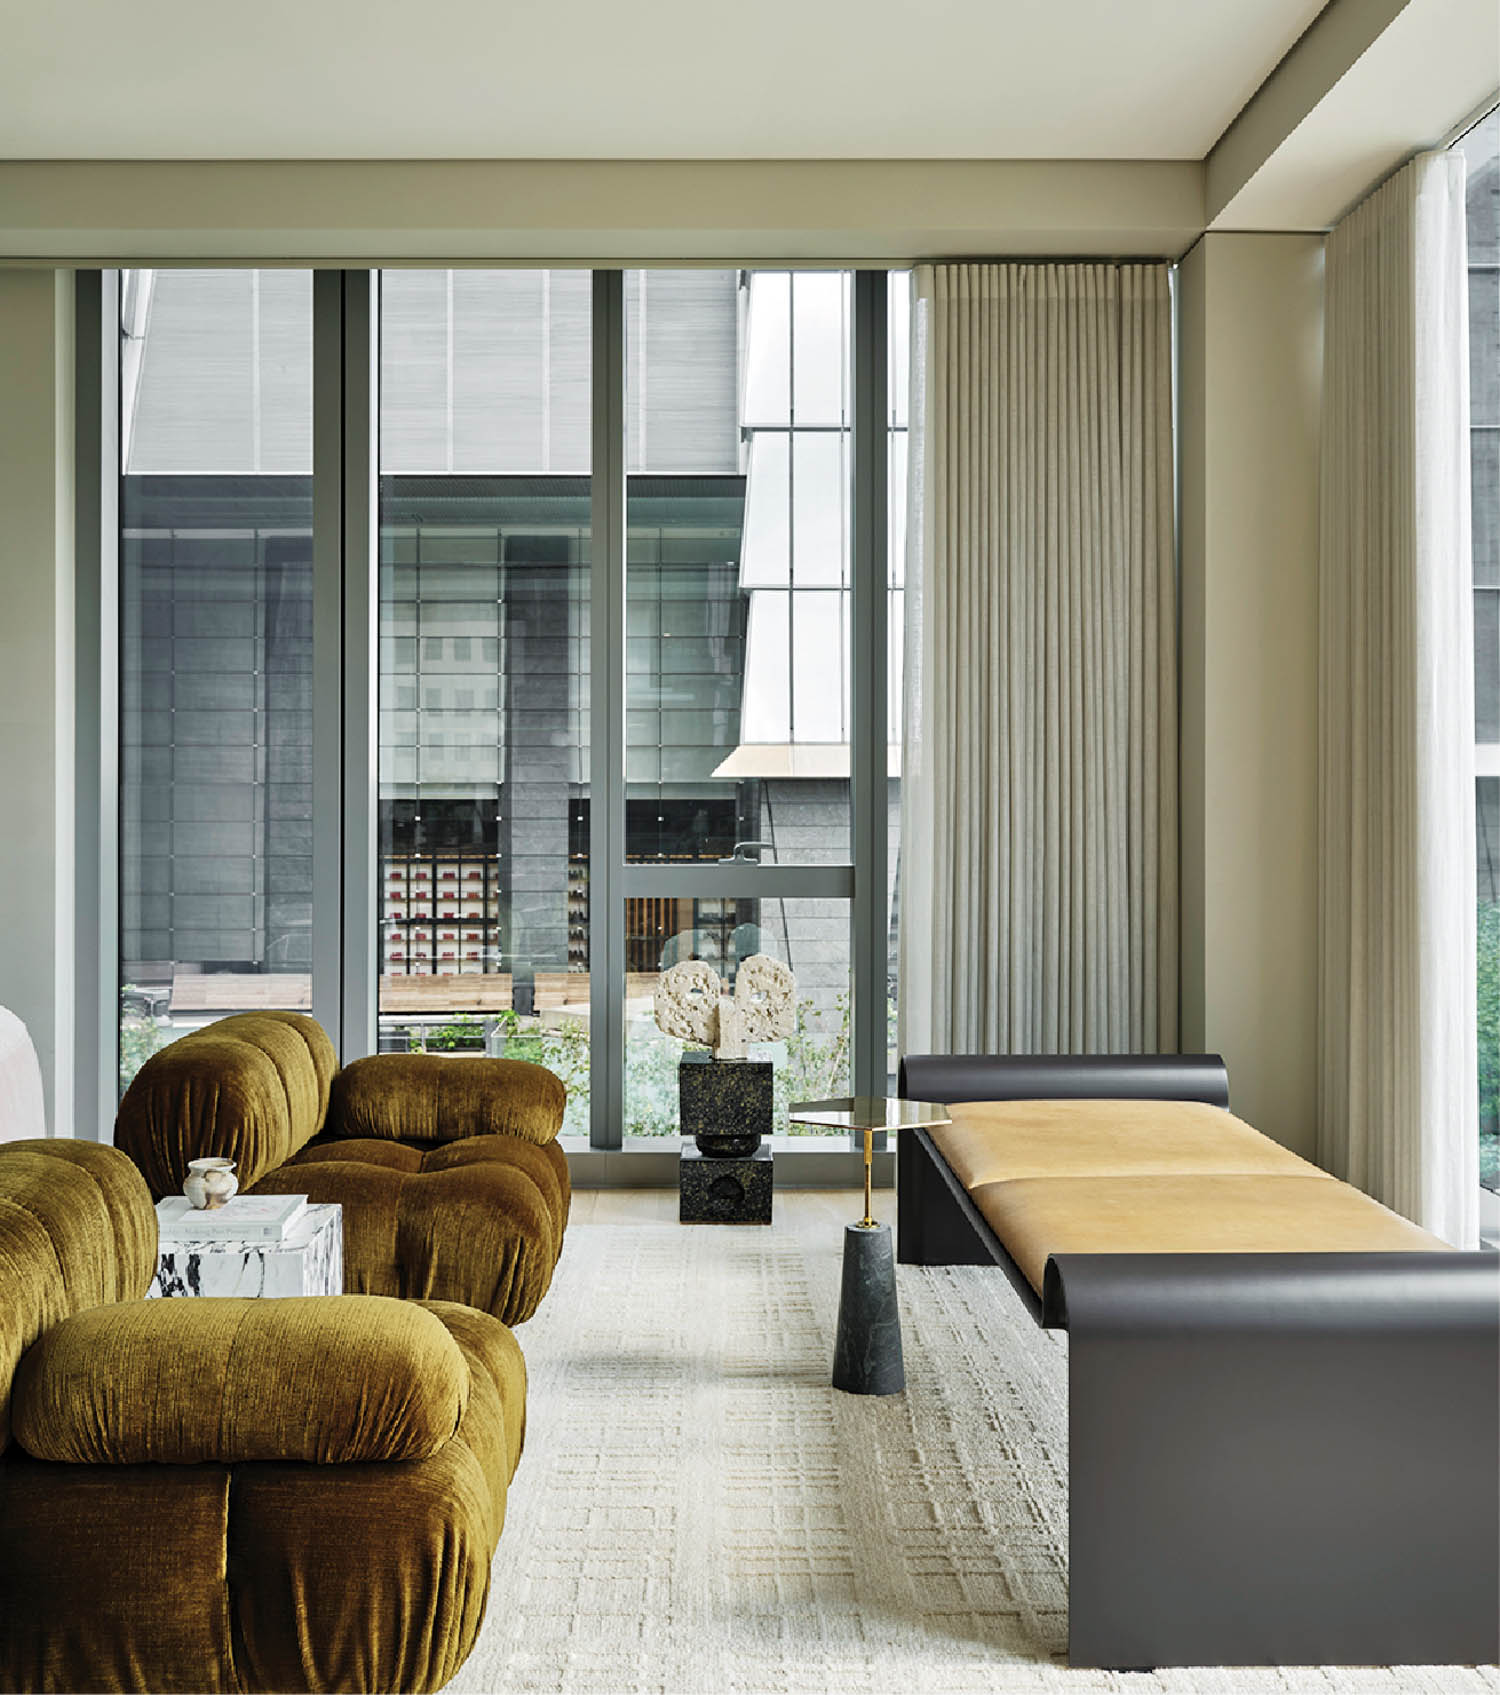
698	1511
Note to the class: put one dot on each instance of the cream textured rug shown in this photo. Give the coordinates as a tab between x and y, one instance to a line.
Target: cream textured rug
697	1511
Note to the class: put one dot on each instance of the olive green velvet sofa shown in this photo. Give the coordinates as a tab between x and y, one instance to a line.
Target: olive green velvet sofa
227	1495
448	1169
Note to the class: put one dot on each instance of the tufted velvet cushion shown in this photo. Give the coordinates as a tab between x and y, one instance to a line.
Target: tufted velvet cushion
253	1088
76	1229
329	1380
266	1575
437	1098
479	1221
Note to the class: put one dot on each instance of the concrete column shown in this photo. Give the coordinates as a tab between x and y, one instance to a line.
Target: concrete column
1251	380
538	766
37	671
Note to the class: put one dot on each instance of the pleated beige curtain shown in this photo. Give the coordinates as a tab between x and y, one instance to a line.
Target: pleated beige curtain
1039	803
1398	1092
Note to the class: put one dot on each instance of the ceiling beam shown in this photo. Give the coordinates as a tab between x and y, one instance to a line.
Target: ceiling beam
1335	40
610	211
1370	83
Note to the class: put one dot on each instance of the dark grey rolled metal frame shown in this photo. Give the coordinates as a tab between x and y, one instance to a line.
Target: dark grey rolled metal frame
1273	1459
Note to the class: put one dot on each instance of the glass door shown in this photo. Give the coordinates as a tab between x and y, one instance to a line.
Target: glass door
484	516
737	836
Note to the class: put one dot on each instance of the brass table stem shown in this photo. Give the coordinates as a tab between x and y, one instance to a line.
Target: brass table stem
867	1221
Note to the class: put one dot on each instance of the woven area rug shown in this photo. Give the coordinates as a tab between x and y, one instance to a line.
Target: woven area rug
698	1511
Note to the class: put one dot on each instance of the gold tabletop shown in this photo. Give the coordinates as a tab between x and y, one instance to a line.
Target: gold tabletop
868	1112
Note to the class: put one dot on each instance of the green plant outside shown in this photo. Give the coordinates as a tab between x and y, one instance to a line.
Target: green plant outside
141	1035
459	1034
564	1049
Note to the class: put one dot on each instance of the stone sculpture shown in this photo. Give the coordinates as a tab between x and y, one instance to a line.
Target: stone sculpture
726	1108
693	1004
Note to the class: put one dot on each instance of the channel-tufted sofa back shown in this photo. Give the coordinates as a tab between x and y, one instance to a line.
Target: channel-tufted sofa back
77	1229
252	1088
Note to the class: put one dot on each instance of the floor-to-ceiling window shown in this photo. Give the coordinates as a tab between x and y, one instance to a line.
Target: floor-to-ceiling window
733	699
484	665
215	649
897	422
738	655
1482	145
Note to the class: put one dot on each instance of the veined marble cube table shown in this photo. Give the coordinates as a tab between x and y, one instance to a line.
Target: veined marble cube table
309	1260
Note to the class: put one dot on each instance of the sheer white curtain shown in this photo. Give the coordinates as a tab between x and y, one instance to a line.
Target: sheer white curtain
1039	792
1398	1096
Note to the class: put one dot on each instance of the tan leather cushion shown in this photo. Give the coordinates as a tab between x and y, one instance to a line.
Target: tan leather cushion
992	1140
1036	1217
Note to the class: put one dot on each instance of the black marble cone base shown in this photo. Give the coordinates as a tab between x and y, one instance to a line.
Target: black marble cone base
867	1354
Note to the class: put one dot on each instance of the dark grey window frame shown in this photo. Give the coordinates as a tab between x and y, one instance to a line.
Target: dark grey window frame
346	788
96	580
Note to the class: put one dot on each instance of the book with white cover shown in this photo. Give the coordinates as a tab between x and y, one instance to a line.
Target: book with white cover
244	1218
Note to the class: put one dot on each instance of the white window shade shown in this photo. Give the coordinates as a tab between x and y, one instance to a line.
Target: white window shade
820	531
765	709
223	368
820	347
817	635
766	554
767	398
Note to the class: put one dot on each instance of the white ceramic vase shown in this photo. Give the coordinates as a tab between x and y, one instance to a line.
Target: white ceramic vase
210	1182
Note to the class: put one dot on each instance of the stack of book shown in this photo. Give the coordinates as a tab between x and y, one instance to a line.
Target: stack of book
244	1218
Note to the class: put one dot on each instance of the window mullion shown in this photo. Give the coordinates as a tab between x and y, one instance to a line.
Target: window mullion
607	718
867	736
328	644
97	717
360	955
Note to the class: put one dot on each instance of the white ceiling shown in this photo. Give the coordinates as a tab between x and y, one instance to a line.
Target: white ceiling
1401	93
664	79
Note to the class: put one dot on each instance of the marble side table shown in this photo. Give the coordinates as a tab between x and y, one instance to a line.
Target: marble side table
309	1260
867	1357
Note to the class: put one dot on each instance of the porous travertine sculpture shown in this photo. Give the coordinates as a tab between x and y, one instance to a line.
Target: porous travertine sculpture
695	1006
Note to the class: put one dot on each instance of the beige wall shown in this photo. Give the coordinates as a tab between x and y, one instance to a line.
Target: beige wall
1251	372
36	671
559	210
